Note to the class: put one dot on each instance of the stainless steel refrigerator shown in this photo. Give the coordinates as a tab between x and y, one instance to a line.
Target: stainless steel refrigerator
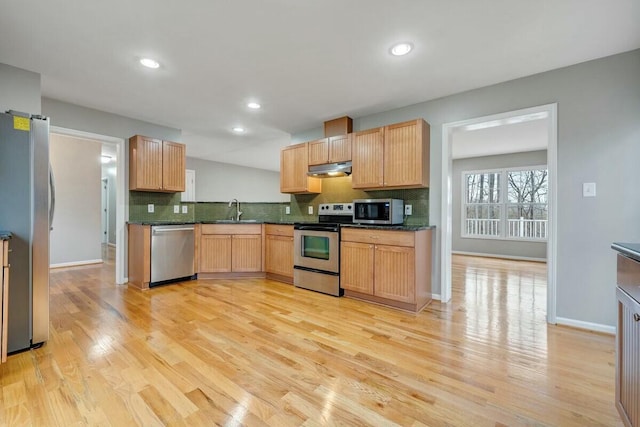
26	202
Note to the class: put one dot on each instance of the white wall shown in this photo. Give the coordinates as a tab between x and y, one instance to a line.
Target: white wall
220	182
509	248
598	141
19	90
76	235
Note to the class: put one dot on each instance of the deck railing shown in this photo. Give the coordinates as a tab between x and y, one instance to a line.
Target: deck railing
516	228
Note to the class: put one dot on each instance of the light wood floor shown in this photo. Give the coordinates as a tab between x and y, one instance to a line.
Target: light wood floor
258	352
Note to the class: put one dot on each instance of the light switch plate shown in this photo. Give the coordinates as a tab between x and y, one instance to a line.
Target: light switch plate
150	208
310	210
287	210
408	209
589	189
176	208
185	209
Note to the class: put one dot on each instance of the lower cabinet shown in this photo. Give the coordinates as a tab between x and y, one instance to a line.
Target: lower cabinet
387	267
279	252
628	359
4	298
230	248
139	255
628	341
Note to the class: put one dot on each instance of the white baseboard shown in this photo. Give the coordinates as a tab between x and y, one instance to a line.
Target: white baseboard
76	263
596	327
436	297
513	257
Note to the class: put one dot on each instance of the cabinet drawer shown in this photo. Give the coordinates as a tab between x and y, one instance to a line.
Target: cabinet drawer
279	230
231	228
393	238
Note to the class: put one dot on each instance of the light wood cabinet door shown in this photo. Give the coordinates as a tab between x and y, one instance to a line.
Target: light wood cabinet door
628	359
367	159
246	253
340	148
357	267
279	255
145	163
319	152
395	273
406	155
215	253
294	165
173	166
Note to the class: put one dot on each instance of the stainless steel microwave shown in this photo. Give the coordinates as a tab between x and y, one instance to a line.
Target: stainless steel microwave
378	211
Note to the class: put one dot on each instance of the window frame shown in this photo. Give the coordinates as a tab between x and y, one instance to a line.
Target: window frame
503	203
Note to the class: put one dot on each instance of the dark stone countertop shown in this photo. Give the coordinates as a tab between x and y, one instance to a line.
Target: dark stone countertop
632	250
628	274
398	227
5	235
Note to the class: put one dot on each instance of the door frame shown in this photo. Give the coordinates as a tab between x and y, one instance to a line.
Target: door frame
105	210
446	214
122	199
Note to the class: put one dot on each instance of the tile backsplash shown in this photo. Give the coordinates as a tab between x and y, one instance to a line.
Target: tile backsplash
334	190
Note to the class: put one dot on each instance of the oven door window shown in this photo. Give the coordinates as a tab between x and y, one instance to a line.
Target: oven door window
315	247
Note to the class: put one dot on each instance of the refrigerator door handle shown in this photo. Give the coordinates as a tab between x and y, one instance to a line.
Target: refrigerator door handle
52	206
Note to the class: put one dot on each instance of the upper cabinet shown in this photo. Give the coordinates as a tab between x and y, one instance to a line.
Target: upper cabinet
395	156
156	165
367	159
334	149
294	164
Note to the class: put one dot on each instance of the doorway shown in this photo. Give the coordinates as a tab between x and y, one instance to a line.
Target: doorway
121	203
447	197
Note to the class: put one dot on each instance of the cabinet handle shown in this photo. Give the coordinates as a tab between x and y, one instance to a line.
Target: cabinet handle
636	317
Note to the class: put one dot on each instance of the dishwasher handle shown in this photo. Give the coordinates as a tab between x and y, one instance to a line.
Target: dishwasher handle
169	230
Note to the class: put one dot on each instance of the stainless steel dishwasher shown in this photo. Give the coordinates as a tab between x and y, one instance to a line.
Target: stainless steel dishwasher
172	253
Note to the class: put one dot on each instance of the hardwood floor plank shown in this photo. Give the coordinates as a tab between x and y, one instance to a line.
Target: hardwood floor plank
256	352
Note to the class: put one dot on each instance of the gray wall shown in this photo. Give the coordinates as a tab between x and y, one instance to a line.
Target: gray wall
220	182
19	90
508	248
76	234
598	141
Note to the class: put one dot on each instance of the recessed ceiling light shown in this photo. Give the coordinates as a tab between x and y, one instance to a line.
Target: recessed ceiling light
237	129
150	63
401	49
253	105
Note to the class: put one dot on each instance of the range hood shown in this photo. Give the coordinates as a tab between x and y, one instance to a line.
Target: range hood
330	170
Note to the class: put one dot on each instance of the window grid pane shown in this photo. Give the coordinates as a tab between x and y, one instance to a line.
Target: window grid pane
525	208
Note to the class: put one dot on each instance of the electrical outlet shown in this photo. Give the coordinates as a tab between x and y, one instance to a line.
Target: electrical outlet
176	208
408	209
287	210
185	209
310	210
150	208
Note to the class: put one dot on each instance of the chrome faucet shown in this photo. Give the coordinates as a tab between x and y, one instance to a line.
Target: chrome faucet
238	212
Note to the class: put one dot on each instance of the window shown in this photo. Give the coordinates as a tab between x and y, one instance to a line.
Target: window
506	204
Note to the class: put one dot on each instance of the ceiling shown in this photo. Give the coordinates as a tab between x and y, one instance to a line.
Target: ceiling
501	137
304	61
